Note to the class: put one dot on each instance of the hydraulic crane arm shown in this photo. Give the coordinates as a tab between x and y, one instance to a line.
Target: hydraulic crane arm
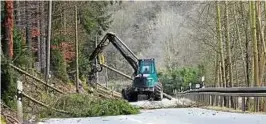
120	46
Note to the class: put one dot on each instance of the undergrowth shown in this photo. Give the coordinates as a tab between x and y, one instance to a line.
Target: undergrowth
80	105
8	84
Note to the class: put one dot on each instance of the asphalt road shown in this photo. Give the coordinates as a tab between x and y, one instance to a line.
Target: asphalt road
170	116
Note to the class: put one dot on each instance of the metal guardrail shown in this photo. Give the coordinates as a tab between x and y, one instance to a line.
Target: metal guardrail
228	97
230	90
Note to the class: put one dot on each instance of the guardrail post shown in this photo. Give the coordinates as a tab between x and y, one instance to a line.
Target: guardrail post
200	99
197	97
215	100
19	101
243	104
264	99
236	102
227	99
256	104
203	99
220	101
212	100
207	99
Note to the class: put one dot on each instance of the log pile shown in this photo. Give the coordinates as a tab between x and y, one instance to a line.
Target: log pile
104	92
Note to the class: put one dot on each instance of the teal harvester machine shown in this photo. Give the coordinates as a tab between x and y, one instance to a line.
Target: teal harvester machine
145	79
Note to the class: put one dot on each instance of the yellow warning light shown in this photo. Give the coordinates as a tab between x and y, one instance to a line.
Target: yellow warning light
101	58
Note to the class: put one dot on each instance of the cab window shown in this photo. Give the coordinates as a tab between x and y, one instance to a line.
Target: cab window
146	70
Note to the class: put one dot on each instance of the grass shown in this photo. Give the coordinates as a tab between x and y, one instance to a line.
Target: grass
3	121
80	105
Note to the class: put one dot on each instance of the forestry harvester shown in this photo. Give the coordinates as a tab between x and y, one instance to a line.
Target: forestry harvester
145	79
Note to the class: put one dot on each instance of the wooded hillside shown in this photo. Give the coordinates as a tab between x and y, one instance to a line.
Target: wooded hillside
222	41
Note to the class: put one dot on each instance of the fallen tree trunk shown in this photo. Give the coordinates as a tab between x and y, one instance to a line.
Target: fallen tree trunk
167	96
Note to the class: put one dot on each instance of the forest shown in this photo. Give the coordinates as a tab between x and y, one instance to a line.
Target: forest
222	41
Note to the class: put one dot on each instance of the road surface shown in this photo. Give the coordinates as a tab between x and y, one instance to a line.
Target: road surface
170	116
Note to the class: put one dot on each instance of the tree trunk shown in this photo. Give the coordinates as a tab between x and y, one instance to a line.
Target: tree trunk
8	33
43	37
220	44
260	40
28	28
261	56
64	22
245	24
264	49
77	55
255	49
239	39
255	44
17	13
39	37
261	47
228	50
47	72
216	80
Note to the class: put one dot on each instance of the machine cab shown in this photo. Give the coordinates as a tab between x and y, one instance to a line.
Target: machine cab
146	75
146	66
